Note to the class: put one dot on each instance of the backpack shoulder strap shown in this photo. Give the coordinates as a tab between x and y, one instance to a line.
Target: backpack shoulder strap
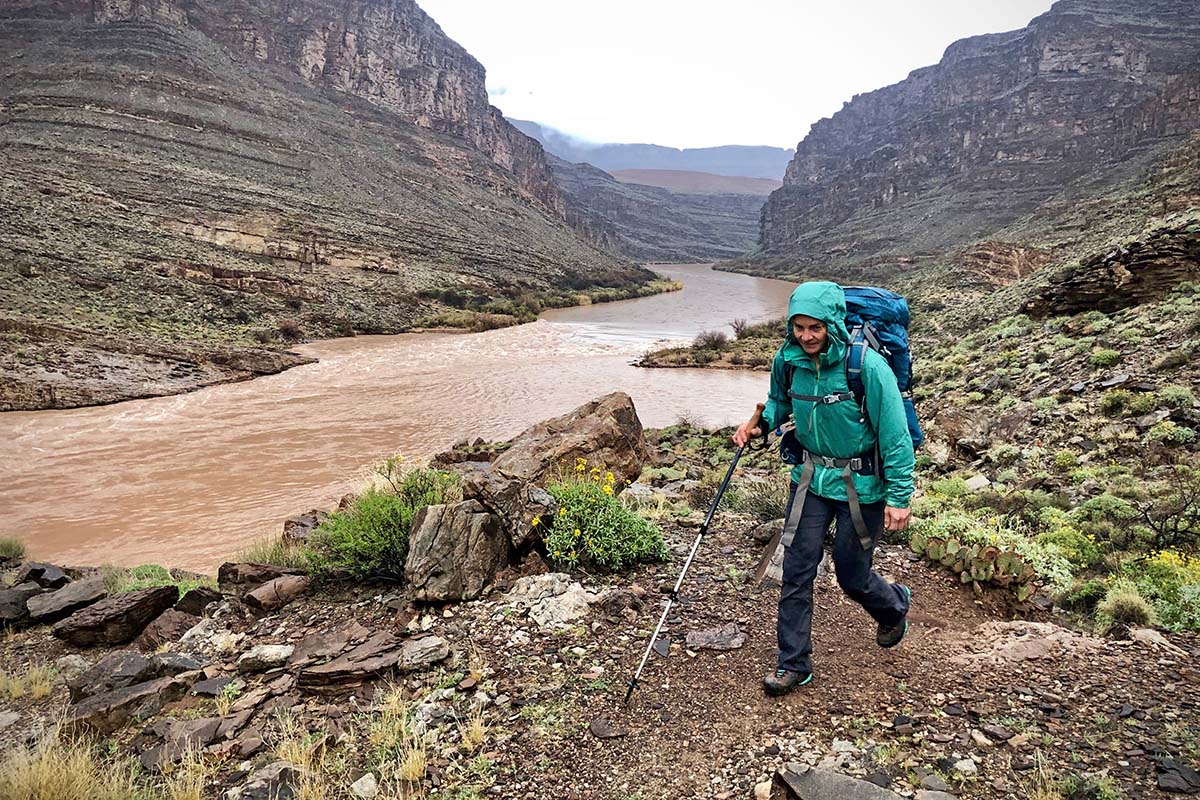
856	353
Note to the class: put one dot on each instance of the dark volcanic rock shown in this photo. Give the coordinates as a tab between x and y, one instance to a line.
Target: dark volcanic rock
166	627
118	619
239	578
13	602
382	653
196	600
47	576
110	711
71	597
125	668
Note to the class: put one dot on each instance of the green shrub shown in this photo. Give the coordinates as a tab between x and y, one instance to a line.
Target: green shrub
1105	507
146	576
1177	397
1065	460
1176	358
1141	404
1083	595
1170	433
1104	358
1078	549
593	528
12	548
1171	583
950	487
370	538
1123	604
1113	402
763	499
1045	403
711	340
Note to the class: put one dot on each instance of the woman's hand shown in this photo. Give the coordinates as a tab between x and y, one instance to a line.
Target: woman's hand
747	431
895	519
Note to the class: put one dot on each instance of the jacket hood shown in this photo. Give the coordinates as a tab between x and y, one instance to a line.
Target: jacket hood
825	301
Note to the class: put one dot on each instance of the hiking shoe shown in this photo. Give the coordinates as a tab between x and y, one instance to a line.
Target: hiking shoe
782	681
891	636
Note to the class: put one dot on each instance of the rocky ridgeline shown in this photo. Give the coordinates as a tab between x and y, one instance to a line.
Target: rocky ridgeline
1007	127
972	705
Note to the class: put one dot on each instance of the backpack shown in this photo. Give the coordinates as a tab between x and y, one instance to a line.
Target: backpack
878	319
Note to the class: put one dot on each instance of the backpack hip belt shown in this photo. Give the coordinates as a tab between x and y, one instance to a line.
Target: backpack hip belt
862	464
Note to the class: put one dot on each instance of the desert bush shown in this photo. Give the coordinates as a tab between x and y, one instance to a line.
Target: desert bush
1104	357
950	487
1123	604
11	547
1141	404
593	528
1171	583
764	500
1170	433
370	538
1113	402
1075	546
1083	595
1177	397
739	328
290	330
1066	460
711	340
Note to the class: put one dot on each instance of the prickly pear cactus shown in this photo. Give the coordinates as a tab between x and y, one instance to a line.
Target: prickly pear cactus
979	565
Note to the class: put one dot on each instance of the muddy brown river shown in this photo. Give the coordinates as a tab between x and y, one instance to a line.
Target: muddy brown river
189	480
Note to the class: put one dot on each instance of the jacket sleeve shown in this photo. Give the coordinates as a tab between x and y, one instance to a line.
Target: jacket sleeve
885	409
778	405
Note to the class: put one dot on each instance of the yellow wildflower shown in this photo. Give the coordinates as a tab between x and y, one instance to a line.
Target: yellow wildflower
608	490
577	533
580	464
562	512
609	478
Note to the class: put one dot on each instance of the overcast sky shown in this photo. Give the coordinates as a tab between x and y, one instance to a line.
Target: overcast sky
695	73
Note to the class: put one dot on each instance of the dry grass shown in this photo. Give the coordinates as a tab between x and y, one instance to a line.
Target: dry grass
37	681
473	731
61	768
187	779
274	550
11	547
403	753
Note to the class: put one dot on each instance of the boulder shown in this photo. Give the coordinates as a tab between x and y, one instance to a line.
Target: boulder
110	711
47	576
55	605
263	657
196	600
14	609
167	627
118	619
239	578
123	668
277	593
70	667
551	600
454	552
606	432
325	644
276	781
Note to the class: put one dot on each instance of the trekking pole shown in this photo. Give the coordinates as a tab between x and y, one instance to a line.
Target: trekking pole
712	509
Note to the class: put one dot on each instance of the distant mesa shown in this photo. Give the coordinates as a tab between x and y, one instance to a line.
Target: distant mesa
689	182
733	160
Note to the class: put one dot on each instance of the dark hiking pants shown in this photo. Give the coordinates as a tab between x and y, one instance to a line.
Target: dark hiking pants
882	600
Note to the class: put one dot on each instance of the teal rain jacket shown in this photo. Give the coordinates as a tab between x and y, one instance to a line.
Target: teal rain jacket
838	430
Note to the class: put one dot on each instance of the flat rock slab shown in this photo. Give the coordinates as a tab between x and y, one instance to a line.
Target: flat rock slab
110	711
808	783
603	729
383	652
327	643
726	637
124	668
238	578
70	598
118	619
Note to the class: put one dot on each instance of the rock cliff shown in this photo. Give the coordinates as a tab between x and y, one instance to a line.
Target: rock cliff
1002	125
186	181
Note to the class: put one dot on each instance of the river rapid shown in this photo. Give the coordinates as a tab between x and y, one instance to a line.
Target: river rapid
189	480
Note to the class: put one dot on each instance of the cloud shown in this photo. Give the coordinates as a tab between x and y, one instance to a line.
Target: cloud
498	91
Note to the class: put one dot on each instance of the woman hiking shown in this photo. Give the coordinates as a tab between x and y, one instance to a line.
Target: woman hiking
856	470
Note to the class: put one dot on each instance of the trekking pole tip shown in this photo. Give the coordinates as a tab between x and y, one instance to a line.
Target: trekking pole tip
629	693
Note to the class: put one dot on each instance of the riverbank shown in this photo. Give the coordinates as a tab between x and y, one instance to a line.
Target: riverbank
518	693
53	366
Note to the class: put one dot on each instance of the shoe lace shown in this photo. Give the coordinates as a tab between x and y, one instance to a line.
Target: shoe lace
779	673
